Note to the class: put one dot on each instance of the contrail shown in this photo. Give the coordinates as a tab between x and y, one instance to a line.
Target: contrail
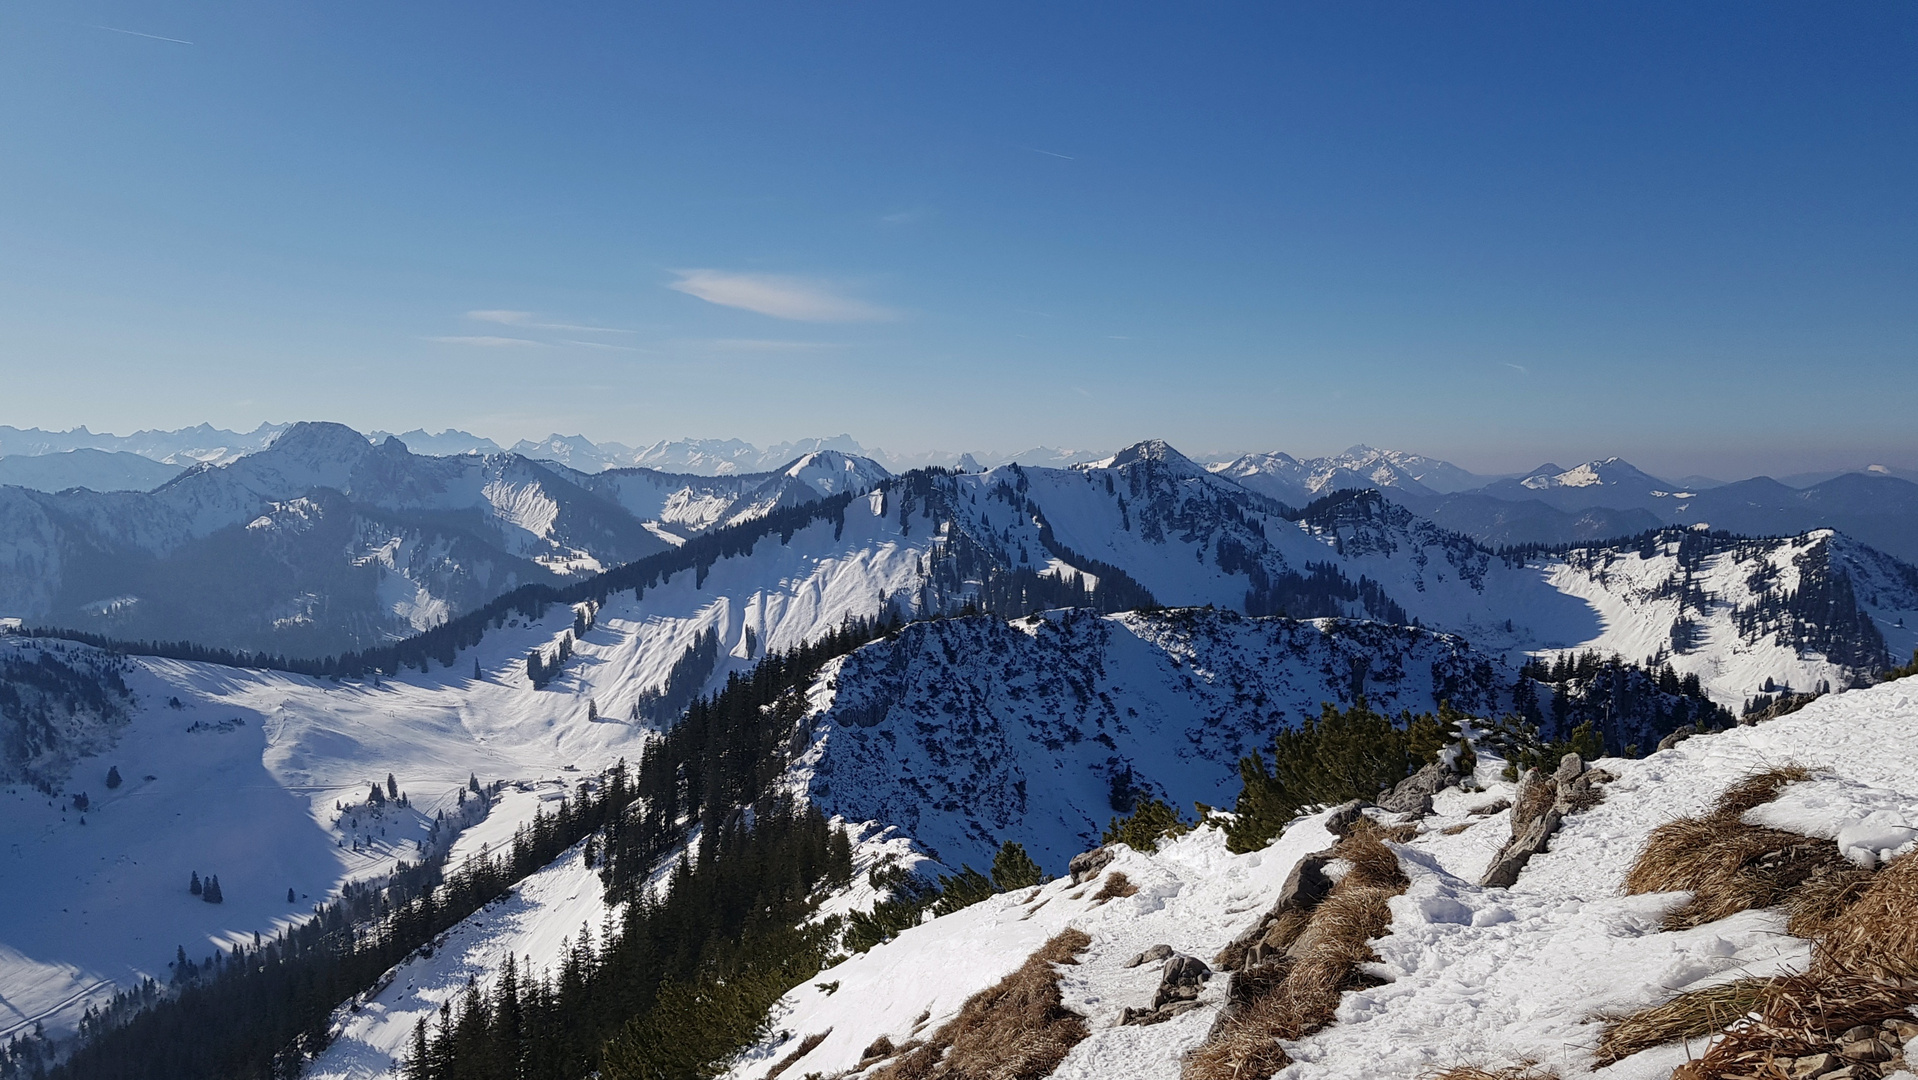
136	33
1049	153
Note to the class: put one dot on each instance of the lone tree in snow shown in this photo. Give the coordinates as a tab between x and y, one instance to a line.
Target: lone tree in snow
113	777
290	898
392	788
194	886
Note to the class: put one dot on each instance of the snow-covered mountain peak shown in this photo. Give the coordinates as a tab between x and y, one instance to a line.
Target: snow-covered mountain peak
1151	450
830	472
1608	472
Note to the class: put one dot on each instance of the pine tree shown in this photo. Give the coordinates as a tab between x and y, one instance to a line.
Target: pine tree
472	782
476	670
392	787
375	796
290	898
1013	869
211	892
194	887
113	777
592	711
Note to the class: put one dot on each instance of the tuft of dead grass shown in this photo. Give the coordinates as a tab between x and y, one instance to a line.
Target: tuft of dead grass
1300	993
1816	905
1801	1015
1530	1070
806	1046
1878	932
1729	866
1018	1029
1398	834
1687	1016
1758	789
1116	885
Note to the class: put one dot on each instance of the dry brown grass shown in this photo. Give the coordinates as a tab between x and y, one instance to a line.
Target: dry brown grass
1687	1016
1116	885
1398	834
1864	926
1530	1070
1878	932
1816	905
1299	995
1729	866
1800	1015
806	1046
1758	789
1454	830
1017	1029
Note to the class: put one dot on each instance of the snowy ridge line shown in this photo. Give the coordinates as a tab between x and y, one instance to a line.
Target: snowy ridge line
463	631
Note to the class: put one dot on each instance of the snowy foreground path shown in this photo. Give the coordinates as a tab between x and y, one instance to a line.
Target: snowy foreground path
1476	976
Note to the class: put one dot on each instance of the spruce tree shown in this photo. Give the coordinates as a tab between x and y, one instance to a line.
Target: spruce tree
392	787
113	777
194	886
211	892
290	898
1013	869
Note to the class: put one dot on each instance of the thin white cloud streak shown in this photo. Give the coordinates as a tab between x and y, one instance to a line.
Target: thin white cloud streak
781	297
604	345
1520	368
767	345
525	318
488	341
136	33
1048	153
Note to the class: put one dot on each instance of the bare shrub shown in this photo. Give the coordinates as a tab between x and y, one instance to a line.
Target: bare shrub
1018	1029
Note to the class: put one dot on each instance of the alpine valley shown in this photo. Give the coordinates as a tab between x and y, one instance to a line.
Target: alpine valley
334	756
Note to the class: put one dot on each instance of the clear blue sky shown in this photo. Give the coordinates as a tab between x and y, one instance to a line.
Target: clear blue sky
1687	234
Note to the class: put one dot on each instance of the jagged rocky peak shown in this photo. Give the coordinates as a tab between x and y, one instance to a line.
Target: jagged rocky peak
1152	450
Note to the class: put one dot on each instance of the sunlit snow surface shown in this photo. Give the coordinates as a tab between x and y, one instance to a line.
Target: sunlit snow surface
1477	976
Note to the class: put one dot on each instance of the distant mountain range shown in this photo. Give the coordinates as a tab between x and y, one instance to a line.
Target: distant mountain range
1551	504
324	542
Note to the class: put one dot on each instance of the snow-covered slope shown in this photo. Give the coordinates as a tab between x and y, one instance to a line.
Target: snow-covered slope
324	542
246	772
1466	975
967	733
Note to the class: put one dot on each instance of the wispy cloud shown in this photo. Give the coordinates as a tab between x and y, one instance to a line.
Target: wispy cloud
526	319
767	345
1520	368
488	341
603	345
136	33
799	299
904	217
1048	153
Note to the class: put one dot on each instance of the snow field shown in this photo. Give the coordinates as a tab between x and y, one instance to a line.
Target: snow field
1476	976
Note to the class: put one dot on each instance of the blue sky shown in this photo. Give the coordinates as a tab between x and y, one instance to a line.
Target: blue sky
1687	234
